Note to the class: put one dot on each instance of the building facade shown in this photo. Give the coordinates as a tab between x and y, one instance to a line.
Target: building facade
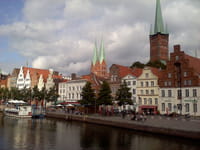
180	84
148	91
70	91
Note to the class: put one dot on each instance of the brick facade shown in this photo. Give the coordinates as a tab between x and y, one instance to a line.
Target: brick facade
159	47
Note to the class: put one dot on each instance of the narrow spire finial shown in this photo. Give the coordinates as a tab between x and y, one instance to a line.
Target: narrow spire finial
158	27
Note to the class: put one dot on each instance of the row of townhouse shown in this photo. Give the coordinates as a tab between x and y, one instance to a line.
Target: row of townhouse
175	89
27	77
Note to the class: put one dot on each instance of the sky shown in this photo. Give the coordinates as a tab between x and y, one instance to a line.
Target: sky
60	34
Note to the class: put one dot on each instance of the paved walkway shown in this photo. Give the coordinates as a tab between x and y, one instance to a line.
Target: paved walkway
177	123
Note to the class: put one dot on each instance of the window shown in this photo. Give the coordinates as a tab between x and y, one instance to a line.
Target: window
163	93
177	57
195	107
170	106
150	101
152	83
163	106
179	94
134	91
189	82
187	107
169	83
156	101
146	75
165	83
141	84
169	75
186	92
147	92
134	82
128	83
185	74
194	92
169	93
152	92
145	101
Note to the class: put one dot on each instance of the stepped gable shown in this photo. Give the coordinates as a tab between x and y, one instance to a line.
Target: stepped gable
36	71
123	71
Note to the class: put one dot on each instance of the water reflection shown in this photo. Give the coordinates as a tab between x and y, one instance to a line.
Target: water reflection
49	134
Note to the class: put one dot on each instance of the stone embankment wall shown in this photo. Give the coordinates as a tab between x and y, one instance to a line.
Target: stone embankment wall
126	124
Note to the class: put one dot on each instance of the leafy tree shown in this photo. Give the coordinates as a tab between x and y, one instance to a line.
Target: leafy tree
104	96
123	95
137	64
52	95
88	95
36	93
156	64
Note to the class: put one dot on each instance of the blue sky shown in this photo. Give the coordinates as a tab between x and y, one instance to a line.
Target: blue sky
60	34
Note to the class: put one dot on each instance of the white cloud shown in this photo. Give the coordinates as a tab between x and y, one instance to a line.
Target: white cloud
60	34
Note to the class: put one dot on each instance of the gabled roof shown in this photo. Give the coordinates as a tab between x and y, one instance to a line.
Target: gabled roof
123	71
156	71
36	71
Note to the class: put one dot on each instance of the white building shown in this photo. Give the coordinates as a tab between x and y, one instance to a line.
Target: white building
188	104
70	91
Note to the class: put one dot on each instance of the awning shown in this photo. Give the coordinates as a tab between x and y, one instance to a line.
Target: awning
148	106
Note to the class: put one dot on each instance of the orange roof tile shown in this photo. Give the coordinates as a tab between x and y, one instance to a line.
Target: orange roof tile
38	72
123	71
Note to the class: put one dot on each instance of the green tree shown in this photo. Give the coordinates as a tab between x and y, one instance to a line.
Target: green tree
123	94
52	95
156	64
88	95
137	64
104	96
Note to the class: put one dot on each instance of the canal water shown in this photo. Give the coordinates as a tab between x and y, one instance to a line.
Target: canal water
51	134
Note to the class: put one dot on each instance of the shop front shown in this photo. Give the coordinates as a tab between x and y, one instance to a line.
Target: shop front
148	109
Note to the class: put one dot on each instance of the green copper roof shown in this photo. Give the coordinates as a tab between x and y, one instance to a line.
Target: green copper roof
95	57
159	26
102	52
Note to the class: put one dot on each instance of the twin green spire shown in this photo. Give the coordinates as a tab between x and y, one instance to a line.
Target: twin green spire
158	26
98	56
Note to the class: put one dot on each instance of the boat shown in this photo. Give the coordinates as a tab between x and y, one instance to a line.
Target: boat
19	112
18	108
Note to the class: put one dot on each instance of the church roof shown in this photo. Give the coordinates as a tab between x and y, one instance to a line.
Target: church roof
158	25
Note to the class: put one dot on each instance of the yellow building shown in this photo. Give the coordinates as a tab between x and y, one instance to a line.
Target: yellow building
148	91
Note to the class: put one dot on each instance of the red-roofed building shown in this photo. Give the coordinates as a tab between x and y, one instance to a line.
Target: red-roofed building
117	72
30	77
180	84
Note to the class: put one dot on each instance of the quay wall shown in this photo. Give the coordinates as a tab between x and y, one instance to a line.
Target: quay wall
127	125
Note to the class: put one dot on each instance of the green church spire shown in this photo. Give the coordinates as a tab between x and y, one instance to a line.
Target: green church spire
102	52
95	56
159	26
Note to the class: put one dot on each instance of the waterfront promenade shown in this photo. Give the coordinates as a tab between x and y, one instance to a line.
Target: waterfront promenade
173	126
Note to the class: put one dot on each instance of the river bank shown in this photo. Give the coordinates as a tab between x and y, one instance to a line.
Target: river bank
178	127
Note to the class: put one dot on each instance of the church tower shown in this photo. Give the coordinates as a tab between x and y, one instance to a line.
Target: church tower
159	38
99	66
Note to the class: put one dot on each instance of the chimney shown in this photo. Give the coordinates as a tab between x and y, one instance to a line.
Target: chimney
177	48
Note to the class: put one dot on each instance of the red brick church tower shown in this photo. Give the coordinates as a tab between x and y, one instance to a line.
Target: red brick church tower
159	38
99	66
